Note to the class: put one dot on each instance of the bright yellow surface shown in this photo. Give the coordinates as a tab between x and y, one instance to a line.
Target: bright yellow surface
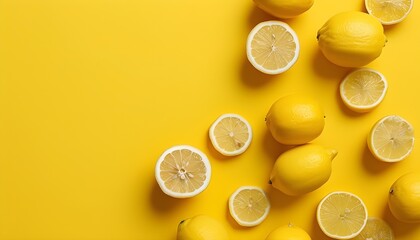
93	91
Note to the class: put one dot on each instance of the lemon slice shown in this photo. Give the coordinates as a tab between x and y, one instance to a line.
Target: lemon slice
389	12
376	229
341	215
363	89
249	206
230	134
272	47
183	171
391	139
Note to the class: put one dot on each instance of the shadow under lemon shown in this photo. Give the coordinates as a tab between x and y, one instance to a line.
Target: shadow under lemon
162	203
327	70
273	148
373	165
399	228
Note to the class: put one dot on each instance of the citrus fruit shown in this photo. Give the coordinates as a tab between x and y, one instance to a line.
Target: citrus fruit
284	8
183	171
341	215
351	39
391	139
230	134
404	198
295	119
249	206
389	12
288	232
272	47
302	169
363	89
375	229
201	227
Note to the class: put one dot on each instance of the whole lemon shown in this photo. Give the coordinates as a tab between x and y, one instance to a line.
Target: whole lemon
201	227
288	232
295	119
404	198
351	39
302	169
284	8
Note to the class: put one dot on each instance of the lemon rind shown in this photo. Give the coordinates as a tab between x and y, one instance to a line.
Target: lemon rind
174	194
249	48
216	144
363	108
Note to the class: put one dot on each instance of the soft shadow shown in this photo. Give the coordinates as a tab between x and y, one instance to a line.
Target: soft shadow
233	223
257	15
315	232
279	200
163	203
272	147
400	229
327	70
344	108
372	164
213	152
252	77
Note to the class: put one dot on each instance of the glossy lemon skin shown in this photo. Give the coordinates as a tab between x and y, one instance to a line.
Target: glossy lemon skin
404	198
295	119
351	39
201	227
284	8
288	232
302	169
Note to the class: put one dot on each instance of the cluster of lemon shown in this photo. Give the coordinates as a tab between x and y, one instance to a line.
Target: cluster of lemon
349	39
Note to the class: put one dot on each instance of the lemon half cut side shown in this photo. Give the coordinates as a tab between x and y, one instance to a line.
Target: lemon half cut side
183	171
391	139
249	206
389	12
363	89
230	134
341	215
272	47
376	229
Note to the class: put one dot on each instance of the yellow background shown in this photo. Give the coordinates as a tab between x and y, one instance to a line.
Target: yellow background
93	91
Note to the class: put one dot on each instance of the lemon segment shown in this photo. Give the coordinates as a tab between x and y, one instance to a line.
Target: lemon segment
230	134
249	206
183	171
272	47
341	215
391	139
389	12
375	229
363	89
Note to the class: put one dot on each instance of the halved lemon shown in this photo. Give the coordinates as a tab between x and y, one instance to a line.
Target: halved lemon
376	229
391	139
341	215
363	89
183	171
230	134
249	206
272	47
389	11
